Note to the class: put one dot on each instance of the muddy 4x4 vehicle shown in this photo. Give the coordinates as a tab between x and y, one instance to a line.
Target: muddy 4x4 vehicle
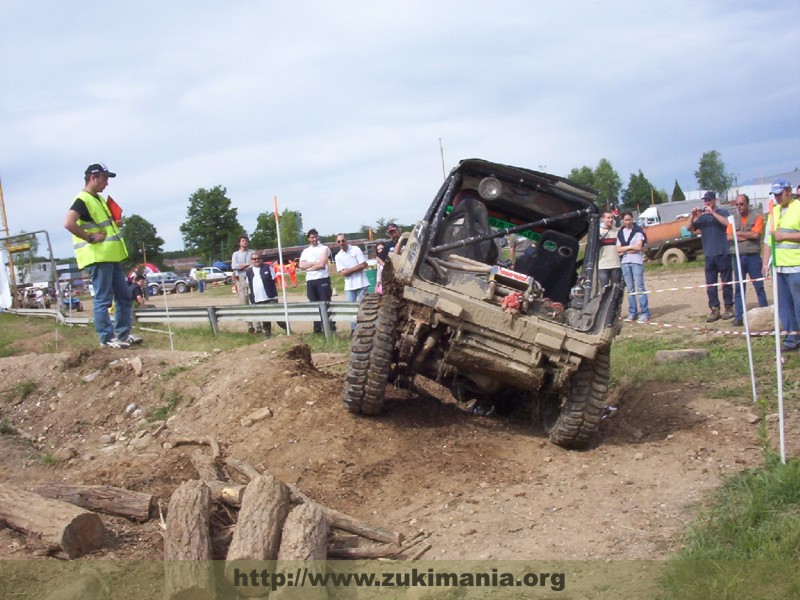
537	336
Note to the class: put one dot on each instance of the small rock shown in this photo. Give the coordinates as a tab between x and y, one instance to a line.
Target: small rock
142	442
137	414
685	355
130	408
65	453
548	459
137	366
638	456
167	445
91	377
106	439
255	417
752	418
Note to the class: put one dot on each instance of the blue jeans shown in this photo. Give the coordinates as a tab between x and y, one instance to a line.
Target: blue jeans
719	267
751	265
110	285
355	296
789	306
633	274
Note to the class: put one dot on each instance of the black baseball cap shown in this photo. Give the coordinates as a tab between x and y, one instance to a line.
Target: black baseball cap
98	169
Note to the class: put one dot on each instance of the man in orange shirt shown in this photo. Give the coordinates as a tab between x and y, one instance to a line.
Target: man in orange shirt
749	226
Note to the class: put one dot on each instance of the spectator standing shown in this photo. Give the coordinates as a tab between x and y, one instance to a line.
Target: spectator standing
630	241
379	274
350	263
240	262
609	269
99	248
389	247
292	270
784	227
749	227
201	276
263	290
314	262
712	223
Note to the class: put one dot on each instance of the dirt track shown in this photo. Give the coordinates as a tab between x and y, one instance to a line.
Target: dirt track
484	487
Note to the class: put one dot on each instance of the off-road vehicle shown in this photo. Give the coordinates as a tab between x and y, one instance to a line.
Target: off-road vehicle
452	310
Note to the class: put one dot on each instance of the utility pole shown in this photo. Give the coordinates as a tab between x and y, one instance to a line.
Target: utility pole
11	276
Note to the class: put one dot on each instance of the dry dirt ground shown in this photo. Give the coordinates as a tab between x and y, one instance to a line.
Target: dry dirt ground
483	487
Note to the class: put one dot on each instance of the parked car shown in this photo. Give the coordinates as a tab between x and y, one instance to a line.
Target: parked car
214	275
158	283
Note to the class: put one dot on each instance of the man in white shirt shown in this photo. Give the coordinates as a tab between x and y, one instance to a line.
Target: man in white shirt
351	264
314	262
240	262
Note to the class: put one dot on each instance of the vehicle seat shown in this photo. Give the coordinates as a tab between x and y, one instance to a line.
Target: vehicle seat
468	219
552	262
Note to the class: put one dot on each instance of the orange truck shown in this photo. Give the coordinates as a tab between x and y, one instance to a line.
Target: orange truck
669	239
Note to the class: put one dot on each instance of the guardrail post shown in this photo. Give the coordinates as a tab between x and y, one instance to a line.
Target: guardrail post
212	318
326	321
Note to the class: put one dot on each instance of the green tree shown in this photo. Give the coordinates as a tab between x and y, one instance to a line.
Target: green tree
264	235
292	233
139	234
607	183
640	193
212	225
583	175
677	193
711	175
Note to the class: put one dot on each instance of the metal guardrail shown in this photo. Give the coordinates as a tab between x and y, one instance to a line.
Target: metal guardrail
326	312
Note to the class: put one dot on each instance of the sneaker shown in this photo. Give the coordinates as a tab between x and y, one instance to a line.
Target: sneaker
714	316
259	329
786	348
251	329
115	343
630	319
133	339
643	320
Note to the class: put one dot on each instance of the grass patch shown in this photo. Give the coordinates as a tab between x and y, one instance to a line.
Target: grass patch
746	544
173	371
6	428
20	391
171	401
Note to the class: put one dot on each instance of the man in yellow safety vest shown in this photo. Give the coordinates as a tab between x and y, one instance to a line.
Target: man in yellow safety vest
782	243
100	249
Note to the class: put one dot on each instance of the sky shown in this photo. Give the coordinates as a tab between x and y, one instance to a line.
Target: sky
344	110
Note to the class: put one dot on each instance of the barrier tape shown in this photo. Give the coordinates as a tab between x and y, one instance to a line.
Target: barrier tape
697	287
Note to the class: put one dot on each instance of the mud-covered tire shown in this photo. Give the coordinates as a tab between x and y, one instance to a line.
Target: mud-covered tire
576	422
673	256
371	354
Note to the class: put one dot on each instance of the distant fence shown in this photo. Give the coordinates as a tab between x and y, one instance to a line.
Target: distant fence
326	312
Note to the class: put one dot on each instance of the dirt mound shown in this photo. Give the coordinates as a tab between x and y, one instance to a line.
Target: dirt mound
485	487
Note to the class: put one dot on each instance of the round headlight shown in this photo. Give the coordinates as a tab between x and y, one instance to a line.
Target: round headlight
490	188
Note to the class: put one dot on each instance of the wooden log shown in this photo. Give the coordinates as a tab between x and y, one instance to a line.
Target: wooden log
335	518
187	544
305	537
364	552
229	493
58	524
257	537
305	534
101	498
205	465
340	520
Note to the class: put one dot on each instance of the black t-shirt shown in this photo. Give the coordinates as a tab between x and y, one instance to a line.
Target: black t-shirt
388	248
79	206
136	291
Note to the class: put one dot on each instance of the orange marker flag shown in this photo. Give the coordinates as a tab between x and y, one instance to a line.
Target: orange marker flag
116	209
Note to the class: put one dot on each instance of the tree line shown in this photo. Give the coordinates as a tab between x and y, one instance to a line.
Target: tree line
212	229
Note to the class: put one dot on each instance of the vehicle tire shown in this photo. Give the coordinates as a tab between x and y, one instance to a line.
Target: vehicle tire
371	354
228	280
673	256
152	290
572	420
181	287
80	306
